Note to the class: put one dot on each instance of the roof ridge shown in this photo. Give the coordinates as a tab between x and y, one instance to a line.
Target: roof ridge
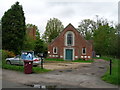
64	29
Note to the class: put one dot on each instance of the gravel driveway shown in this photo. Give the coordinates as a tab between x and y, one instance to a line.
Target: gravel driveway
83	76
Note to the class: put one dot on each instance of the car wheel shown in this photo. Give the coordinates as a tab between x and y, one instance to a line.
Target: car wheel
8	62
35	65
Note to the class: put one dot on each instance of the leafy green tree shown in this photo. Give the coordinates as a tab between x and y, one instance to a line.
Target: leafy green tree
37	34
37	45
118	46
118	40
101	21
86	28
0	26
13	28
0	35
29	43
105	40
53	28
40	45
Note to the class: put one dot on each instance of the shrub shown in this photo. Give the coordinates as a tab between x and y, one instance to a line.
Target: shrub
6	54
114	77
10	54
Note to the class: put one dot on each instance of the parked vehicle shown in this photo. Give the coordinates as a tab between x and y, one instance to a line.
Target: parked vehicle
17	60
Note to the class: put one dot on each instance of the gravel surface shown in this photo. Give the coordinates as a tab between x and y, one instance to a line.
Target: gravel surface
83	76
62	65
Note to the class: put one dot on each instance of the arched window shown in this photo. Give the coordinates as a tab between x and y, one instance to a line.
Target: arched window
55	50
84	51
69	38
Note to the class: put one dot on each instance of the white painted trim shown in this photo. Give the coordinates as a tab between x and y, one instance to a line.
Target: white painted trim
76	56
85	56
85	51
73	58
53	55
89	57
65	38
56	50
48	52
81	56
61	56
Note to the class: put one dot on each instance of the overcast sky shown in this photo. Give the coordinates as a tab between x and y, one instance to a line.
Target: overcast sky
38	12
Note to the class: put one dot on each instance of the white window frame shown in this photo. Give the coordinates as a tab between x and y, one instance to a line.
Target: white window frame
56	50
73	42
85	51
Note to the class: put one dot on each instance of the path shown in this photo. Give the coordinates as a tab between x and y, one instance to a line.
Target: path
86	75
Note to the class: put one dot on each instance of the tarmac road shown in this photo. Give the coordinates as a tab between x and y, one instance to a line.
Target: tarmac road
84	76
11	84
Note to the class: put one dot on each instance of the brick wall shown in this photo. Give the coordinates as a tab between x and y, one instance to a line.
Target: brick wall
31	32
80	42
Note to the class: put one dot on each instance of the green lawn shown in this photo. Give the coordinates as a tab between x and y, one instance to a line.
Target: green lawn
21	68
103	57
114	78
38	69
61	60
53	59
0	64
83	61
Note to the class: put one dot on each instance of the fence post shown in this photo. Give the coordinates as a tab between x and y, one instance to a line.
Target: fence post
41	63
110	66
41	56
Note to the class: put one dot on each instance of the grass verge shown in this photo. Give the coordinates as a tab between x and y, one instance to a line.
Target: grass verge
21	68
61	60
0	64
104	57
83	61
114	78
54	59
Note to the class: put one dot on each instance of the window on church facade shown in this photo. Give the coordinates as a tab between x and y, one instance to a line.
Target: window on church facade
55	50
84	51
69	39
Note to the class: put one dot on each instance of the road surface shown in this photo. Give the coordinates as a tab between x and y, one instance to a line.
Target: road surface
83	76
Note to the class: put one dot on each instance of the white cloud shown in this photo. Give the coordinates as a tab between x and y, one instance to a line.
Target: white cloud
73	11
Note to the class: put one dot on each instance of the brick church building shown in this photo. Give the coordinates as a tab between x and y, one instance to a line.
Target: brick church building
70	45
